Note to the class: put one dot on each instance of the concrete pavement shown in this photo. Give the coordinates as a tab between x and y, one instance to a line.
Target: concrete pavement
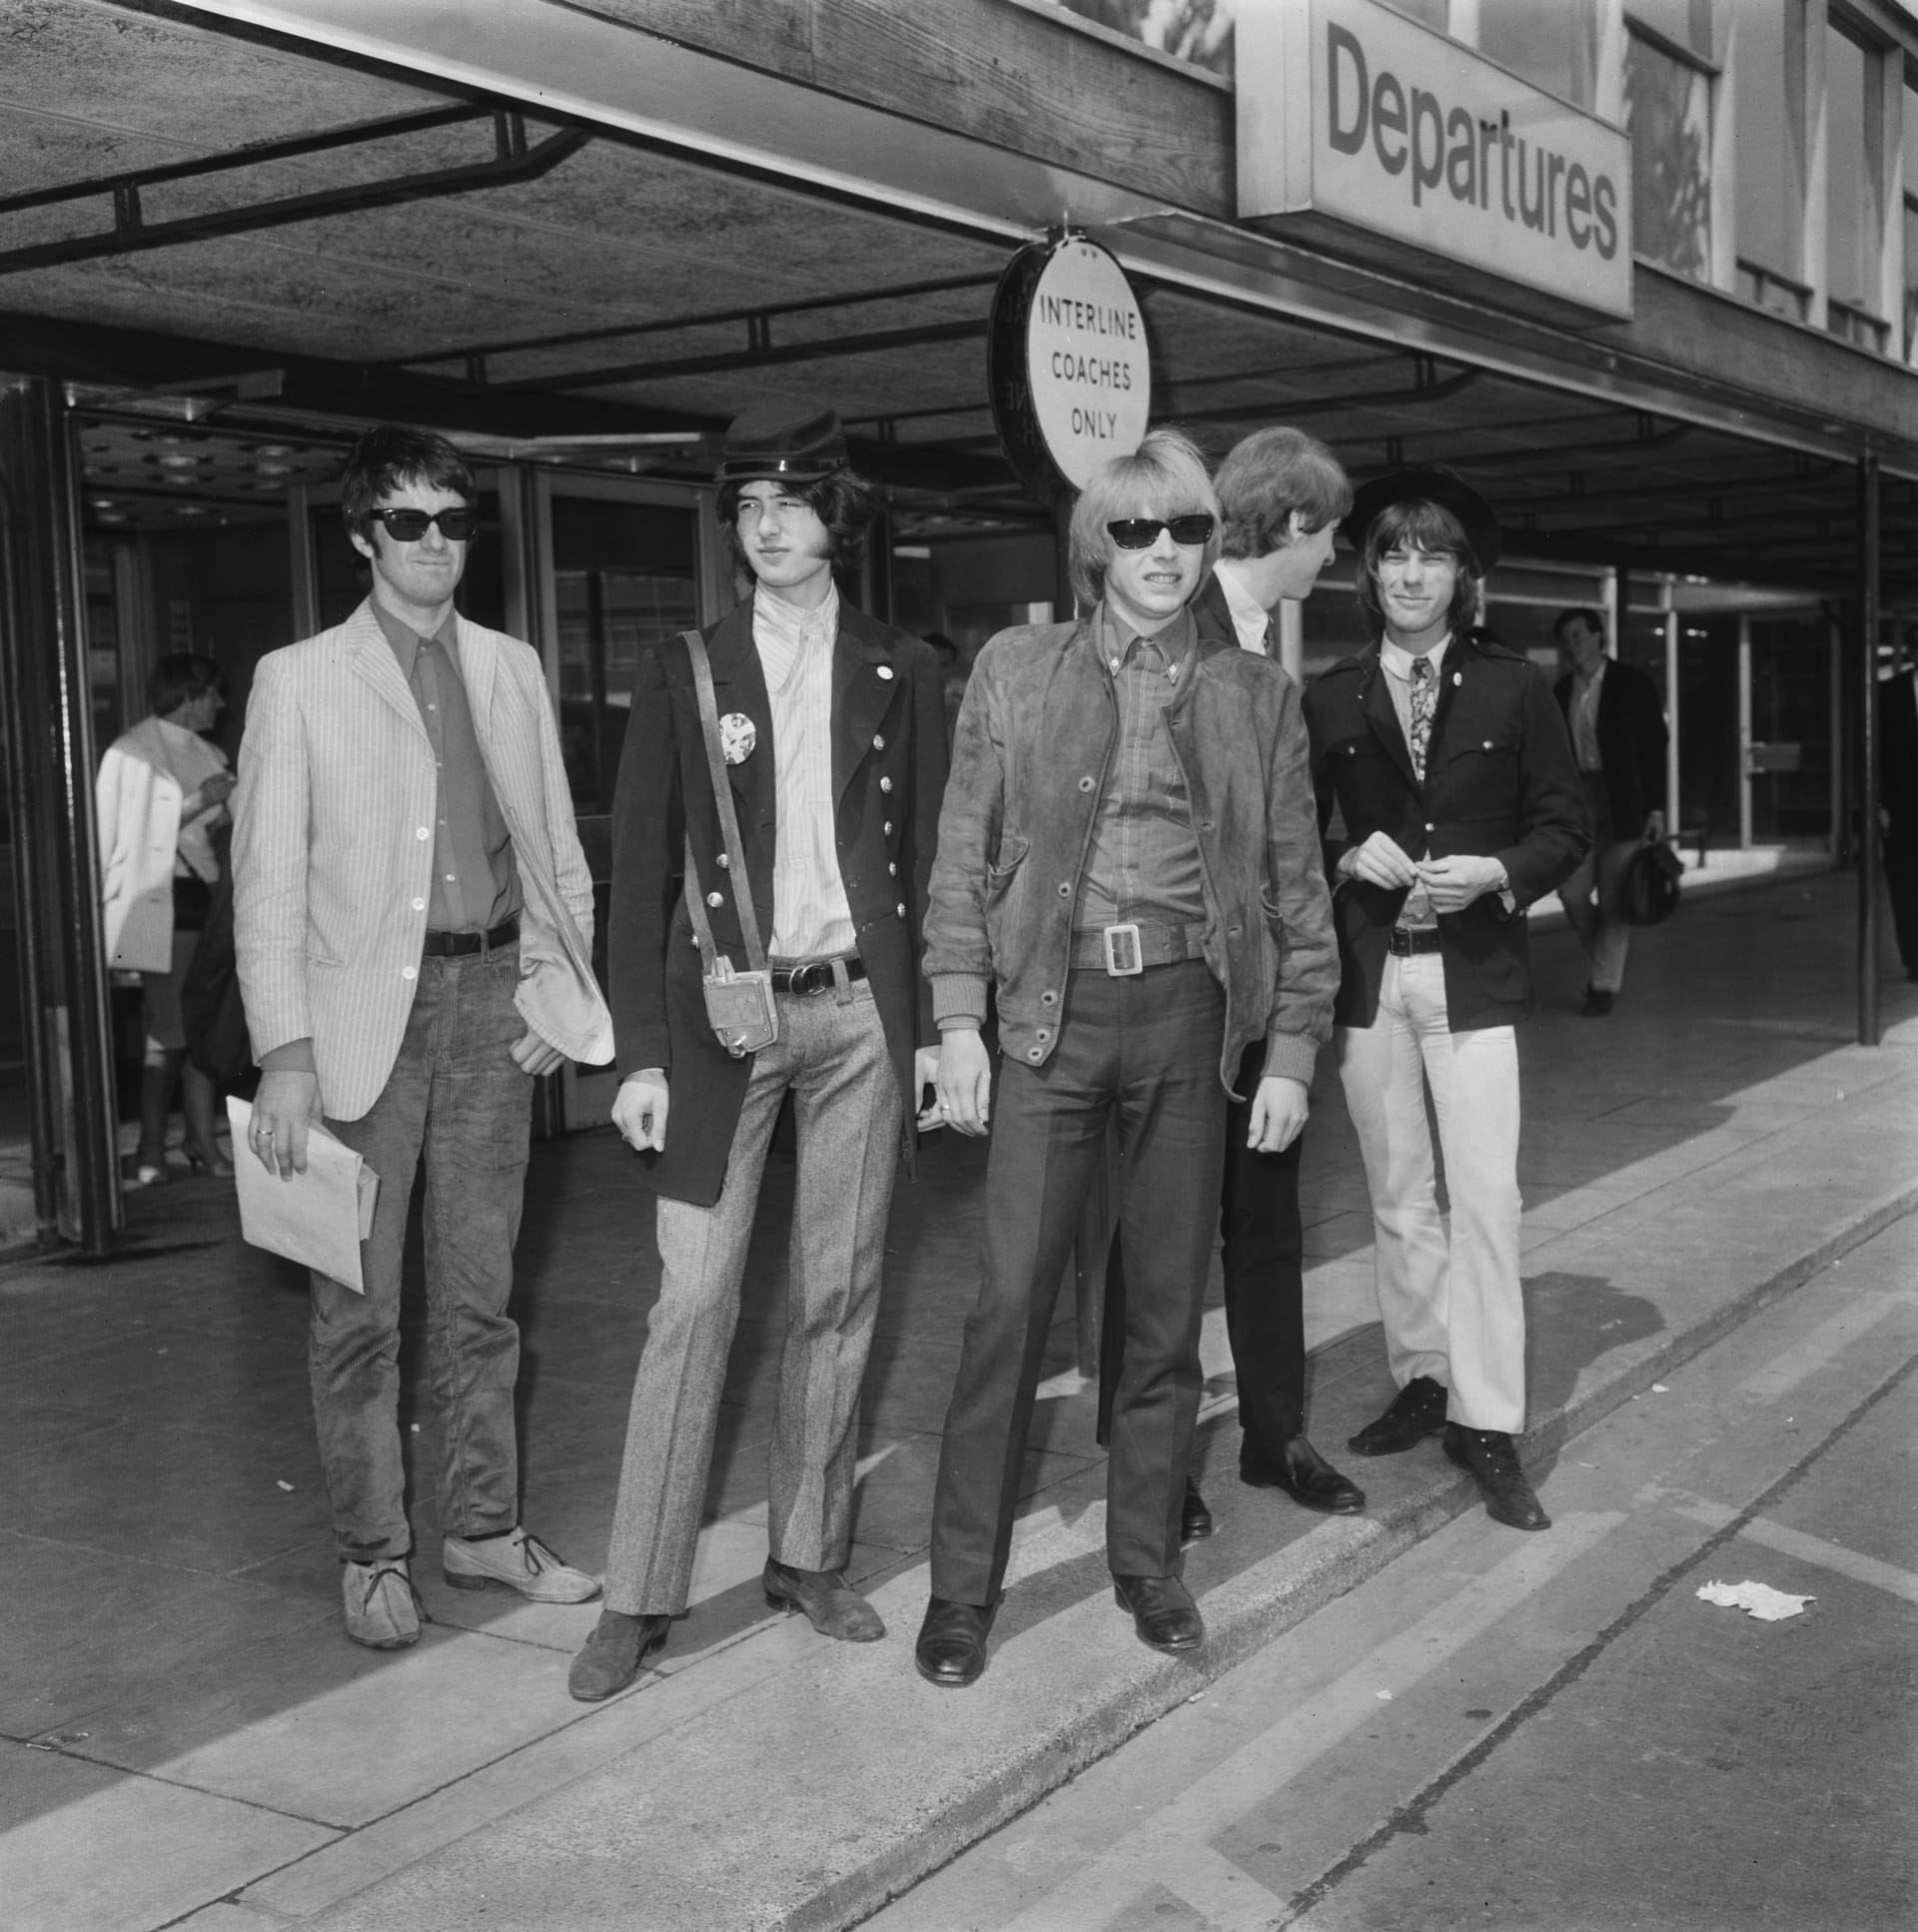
178	1689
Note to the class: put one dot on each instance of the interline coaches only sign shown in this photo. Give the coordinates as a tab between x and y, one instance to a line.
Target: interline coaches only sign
1068	363
1365	132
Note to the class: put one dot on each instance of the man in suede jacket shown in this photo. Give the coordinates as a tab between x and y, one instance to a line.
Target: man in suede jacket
1128	856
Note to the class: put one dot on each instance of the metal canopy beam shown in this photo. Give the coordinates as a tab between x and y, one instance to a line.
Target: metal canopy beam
131	233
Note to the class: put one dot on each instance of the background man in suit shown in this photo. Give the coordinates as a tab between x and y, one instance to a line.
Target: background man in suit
1447	762
1898	804
835	736
1128	854
411	917
1280	496
1618	737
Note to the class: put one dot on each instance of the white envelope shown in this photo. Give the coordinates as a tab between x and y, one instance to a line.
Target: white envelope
318	1218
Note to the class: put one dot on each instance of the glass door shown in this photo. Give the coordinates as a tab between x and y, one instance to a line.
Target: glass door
620	564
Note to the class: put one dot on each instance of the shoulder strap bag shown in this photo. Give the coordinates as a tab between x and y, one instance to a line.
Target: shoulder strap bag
739	1005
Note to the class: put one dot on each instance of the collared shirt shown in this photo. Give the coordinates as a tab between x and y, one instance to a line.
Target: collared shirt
1584	716
191	760
1143	862
1250	618
811	918
476	884
1417	913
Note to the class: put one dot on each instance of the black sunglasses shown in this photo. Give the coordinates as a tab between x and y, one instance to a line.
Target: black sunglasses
1141	533
409	525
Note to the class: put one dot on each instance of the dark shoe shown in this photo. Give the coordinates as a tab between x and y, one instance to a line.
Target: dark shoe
832	1606
1417	1411
1303	1475
1597	1003
1194	1519
1163	1611
951	1652
1493	1459
620	1645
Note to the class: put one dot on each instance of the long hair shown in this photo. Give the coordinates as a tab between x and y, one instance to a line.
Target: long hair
388	459
1267	476
843	503
1423	525
1164	476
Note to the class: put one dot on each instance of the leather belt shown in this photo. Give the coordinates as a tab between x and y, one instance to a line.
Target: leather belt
453	945
1406	940
816	975
1131	946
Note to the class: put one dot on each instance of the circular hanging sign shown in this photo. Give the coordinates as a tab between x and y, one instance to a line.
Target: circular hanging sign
1068	363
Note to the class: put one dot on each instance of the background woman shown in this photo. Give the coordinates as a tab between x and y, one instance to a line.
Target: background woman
161	791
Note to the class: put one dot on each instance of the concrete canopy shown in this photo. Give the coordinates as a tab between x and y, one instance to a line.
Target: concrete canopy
477	217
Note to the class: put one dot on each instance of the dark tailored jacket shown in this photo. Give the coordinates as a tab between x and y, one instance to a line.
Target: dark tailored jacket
1632	745
1500	782
1898	753
1034	744
888	769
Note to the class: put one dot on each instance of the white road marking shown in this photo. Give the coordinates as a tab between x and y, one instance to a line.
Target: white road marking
1827	1340
1161	1850
1796	1542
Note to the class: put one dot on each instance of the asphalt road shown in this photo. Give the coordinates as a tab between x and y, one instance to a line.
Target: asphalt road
1553	1731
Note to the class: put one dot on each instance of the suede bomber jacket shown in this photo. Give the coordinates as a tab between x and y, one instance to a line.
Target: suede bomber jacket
1034	744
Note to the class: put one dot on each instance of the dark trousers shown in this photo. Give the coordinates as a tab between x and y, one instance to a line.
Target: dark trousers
1901	882
1263	1259
456	1099
1143	1051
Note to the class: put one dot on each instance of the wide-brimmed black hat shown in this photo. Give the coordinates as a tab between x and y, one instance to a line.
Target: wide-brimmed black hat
1429	482
783	442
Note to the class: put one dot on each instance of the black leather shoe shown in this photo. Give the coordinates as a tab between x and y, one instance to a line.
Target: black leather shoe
832	1606
1194	1519
620	1645
1163	1611
1493	1459
951	1652
1597	1003
1417	1411
1303	1475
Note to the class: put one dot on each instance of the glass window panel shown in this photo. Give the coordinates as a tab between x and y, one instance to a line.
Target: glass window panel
1853	209
1669	116
1553	47
1196	30
1435	14
1770	74
1686	23
1911	281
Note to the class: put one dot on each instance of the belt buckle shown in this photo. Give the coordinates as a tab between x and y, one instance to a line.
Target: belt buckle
815	976
1123	957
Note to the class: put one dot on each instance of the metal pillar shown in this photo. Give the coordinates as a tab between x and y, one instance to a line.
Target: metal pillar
50	731
1871	1029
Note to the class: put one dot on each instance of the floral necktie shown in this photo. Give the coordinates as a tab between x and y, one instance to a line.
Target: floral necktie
1423	700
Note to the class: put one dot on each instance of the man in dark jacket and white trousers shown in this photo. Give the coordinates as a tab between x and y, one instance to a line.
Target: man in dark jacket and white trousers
1618	737
1446	760
834	748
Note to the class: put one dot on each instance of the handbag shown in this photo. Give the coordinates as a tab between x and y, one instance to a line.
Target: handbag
739	1006
1649	895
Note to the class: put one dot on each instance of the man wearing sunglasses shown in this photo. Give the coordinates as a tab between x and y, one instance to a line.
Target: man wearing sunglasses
1127	853
413	918
1280	496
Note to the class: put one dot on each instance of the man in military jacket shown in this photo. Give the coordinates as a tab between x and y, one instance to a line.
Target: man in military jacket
1445	758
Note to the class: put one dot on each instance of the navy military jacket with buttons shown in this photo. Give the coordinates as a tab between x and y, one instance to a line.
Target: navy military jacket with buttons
888	773
1033	748
1500	782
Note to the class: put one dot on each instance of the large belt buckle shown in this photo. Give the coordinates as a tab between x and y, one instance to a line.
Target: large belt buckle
1123	957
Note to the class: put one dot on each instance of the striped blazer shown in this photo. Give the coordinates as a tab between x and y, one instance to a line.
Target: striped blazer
333	851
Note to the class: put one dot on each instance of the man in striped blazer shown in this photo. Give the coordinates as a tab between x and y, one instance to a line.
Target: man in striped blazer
413	918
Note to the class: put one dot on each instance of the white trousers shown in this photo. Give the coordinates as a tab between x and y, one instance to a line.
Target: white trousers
1454	1310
